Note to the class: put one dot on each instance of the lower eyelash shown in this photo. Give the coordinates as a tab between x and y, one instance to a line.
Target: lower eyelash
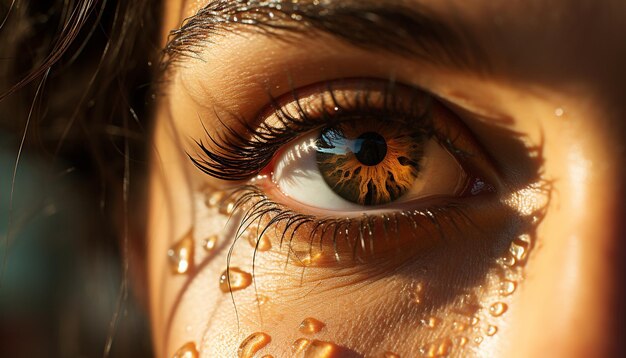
254	210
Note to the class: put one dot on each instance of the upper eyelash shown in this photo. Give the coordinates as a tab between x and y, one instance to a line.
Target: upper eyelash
240	155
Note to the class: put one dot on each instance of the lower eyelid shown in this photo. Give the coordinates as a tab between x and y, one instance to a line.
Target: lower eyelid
334	242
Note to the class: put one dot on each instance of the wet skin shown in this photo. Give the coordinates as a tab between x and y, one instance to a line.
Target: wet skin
549	115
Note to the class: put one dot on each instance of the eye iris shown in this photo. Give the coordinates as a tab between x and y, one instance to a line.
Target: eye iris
370	148
368	163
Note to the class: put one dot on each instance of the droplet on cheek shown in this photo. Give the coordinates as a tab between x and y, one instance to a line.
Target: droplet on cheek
507	287
262	243
239	279
252	344
321	349
391	355
181	254
491	330
431	322
439	349
209	243
498	309
214	199
299	345
188	350
311	325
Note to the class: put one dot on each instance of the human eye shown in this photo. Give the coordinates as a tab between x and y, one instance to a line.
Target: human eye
342	166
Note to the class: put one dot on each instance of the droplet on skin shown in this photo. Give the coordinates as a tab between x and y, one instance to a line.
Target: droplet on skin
509	261
498	308
239	280
462	341
305	259
262	299
209	243
268	356
559	112
252	344
459	326
214	199
475	321
262	244
391	355
417	292
188	350
431	322
321	349
444	347
478	340
507	287
300	344
311	325
491	330
226	208
181	254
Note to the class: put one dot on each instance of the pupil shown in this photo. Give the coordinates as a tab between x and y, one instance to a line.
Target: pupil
370	148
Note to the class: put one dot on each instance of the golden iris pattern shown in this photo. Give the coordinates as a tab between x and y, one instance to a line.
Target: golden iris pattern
370	162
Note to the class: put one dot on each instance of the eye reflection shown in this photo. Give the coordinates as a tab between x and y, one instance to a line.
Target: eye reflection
369	167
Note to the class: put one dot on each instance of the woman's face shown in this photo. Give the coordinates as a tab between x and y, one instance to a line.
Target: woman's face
402	177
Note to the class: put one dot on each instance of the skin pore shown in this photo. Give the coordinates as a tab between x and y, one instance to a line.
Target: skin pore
546	118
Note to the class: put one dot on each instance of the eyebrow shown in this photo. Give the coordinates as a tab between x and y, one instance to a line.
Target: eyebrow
400	27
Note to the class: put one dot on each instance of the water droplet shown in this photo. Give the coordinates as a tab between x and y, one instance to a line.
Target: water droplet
188	350
498	308
209	243
311	325
478	340
475	321
214	199
459	326
508	261
462	341
559	112
305	258
507	287
300	344
417	290
181	254
444	347
239	279
262	244
227	208
431	322
491	330
262	299
438	349
391	355
321	349
252	344
268	356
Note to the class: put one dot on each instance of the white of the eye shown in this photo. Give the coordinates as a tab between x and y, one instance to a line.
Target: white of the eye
297	176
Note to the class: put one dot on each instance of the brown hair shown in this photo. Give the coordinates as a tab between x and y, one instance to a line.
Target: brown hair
76	83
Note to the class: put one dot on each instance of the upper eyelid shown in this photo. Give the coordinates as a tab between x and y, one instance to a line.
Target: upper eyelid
227	158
